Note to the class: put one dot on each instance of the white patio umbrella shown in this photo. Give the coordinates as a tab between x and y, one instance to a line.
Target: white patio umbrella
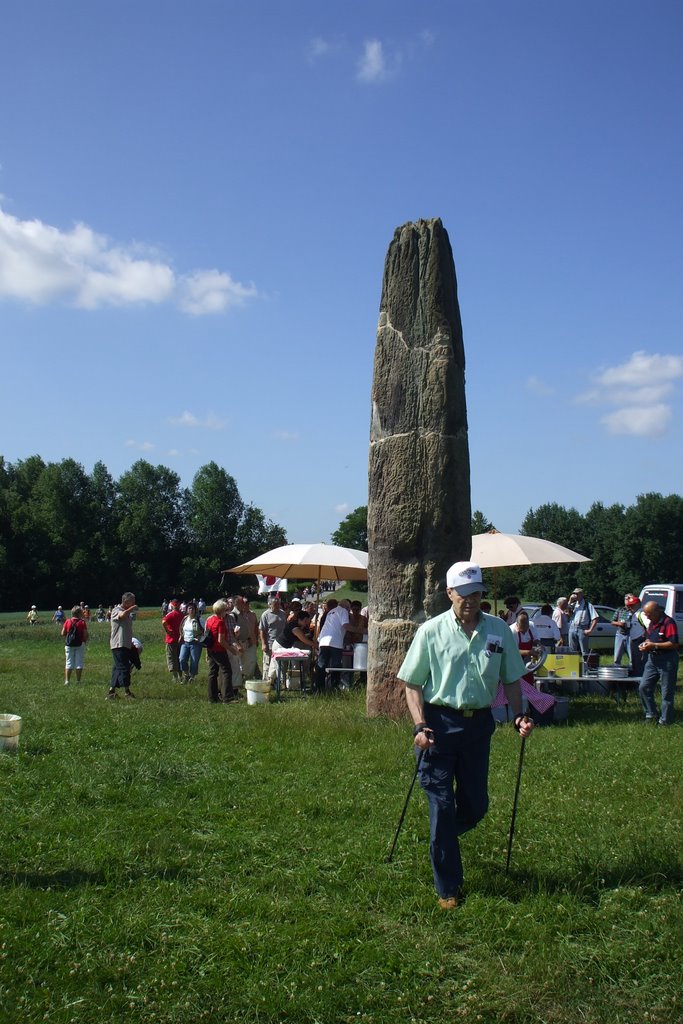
494	550
305	561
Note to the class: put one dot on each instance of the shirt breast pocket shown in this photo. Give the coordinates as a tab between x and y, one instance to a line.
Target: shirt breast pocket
494	646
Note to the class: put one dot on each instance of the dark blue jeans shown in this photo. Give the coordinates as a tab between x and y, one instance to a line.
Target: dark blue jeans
120	673
660	668
328	657
579	643
454	775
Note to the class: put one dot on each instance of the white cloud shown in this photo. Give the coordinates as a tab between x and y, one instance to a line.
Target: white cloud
211	291
344	507
427	37
539	387
188	419
642	369
142	446
285	435
40	263
372	65
638	387
652	421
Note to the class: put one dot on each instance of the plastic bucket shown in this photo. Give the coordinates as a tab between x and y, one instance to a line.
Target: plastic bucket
10	727
360	657
257	691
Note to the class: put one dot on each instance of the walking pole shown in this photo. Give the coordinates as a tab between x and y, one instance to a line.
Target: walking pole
405	808
514	805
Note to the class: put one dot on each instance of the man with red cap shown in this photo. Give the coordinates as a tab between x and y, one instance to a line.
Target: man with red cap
630	630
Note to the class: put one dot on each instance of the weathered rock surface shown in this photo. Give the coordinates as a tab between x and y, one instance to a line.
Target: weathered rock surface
419	478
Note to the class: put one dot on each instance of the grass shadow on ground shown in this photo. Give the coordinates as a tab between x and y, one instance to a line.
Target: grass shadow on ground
583	880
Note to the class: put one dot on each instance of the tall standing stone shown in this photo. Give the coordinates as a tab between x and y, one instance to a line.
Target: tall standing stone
419	515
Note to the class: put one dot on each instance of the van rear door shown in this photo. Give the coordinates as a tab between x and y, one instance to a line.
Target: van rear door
670	597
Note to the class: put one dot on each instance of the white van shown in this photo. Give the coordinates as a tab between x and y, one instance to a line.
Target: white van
670	597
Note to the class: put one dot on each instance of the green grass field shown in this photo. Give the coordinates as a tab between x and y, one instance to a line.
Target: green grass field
169	861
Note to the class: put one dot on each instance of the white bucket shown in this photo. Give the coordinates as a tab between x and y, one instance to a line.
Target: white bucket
360	657
257	691
10	727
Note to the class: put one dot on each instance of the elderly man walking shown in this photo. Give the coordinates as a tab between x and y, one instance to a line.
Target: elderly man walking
451	674
660	646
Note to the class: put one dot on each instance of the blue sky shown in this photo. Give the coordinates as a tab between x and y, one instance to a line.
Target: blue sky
196	203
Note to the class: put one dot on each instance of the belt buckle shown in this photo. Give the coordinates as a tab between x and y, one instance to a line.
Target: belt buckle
467	712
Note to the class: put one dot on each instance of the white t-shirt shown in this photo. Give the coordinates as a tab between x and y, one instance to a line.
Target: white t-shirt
525	637
333	632
190	629
545	628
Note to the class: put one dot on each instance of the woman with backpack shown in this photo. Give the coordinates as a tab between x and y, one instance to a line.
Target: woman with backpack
75	633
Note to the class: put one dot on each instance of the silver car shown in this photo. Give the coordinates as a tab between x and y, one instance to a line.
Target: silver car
602	637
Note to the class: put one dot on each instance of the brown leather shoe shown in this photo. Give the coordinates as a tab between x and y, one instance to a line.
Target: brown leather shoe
449	903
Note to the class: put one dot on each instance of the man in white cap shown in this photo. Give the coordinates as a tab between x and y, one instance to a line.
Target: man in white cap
451	674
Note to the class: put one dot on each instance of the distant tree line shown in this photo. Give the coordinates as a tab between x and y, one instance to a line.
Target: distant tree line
352	532
67	535
629	546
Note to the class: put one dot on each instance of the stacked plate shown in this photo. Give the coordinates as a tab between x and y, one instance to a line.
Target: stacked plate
613	672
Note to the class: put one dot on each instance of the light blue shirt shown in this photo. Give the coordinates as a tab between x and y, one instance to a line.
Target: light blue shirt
584	613
457	670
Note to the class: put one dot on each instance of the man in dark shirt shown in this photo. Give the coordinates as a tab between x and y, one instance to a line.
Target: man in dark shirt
660	646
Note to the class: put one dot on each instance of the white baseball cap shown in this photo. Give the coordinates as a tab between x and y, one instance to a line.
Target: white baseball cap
465	578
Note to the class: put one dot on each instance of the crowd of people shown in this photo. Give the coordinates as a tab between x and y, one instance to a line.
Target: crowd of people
325	633
229	637
319	635
645	635
458	665
569	626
